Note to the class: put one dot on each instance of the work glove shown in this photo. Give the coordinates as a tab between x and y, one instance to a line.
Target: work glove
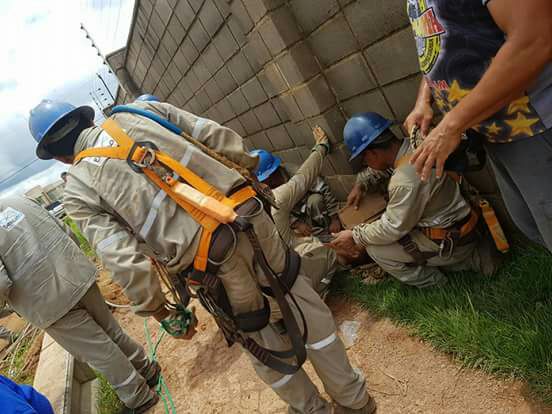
321	139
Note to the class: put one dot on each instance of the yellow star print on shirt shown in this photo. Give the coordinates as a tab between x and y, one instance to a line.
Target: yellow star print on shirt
494	129
519	105
522	125
456	93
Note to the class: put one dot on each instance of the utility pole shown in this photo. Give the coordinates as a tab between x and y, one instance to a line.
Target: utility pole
104	84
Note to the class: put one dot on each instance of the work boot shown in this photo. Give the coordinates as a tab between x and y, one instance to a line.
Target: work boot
154	379
144	408
369	408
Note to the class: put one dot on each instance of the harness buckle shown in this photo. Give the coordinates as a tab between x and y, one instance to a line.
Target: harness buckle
446	247
146	160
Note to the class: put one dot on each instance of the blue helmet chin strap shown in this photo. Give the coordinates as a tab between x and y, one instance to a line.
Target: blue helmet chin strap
148	114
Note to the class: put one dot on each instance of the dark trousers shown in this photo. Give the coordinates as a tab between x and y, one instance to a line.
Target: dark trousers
523	172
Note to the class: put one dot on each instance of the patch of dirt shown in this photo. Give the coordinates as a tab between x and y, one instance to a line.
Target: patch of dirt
110	290
404	374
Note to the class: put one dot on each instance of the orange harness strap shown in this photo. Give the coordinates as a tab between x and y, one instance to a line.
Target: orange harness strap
208	223
438	233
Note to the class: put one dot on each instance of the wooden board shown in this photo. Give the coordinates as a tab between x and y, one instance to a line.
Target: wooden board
370	209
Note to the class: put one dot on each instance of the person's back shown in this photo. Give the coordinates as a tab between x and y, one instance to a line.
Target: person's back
113	186
38	262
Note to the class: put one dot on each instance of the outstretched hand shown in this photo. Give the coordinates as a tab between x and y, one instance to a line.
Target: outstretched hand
320	137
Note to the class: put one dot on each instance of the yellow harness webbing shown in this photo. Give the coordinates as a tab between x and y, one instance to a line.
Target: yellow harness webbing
208	223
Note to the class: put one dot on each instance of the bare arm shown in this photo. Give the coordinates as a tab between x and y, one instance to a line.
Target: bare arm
422	114
517	65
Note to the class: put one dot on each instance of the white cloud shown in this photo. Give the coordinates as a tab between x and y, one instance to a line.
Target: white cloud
44	54
43	178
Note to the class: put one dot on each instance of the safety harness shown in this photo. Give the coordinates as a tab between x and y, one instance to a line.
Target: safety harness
459	234
218	237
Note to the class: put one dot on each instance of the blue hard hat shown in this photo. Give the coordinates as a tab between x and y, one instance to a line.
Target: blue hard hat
148	98
363	129
47	114
268	163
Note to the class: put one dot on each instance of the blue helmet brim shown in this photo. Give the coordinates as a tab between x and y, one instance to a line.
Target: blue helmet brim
85	111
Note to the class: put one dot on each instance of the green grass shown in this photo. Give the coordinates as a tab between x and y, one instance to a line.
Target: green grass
18	363
107	402
502	325
83	242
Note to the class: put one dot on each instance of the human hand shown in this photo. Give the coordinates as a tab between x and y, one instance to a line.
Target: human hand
344	244
302	229
335	225
321	138
421	115
355	196
435	149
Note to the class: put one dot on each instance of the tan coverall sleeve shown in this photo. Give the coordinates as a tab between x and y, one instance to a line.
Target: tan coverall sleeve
290	193
372	180
404	211
5	285
118	250
217	137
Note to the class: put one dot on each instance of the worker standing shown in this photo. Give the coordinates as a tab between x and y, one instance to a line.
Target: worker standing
487	66
426	227
239	274
46	279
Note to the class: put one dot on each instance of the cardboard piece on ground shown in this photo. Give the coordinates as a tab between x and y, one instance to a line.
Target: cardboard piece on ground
370	209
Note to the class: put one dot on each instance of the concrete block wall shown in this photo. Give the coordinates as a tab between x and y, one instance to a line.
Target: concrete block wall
272	69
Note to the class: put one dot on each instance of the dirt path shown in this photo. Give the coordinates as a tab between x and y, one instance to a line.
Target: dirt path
404	374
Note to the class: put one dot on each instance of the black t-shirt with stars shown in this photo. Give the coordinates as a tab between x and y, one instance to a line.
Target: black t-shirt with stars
456	42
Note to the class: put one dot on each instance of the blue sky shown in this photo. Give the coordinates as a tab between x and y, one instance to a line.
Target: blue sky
44	54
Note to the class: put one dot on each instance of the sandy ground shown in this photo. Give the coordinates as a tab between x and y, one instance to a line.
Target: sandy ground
404	374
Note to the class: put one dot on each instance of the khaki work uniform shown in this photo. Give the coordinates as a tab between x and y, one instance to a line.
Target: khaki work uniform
126	218
317	261
414	204
316	206
47	280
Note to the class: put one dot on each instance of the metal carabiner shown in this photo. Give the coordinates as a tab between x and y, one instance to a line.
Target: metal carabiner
446	248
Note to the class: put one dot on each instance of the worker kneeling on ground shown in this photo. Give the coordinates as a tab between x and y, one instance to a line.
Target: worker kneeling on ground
426	227
46	279
318	262
316	211
147	182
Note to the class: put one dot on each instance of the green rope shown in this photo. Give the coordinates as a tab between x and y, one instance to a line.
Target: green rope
161	389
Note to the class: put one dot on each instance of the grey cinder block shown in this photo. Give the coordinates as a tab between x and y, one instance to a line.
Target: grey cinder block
368	102
350	77
250	122
238	102
279	137
312	13
279	30
394	58
267	116
333	41
375	19
298	64
253	92
314	97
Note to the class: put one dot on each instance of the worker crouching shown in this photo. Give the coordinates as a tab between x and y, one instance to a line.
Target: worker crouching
125	191
427	226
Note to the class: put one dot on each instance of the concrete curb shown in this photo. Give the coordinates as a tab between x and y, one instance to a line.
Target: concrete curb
70	385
